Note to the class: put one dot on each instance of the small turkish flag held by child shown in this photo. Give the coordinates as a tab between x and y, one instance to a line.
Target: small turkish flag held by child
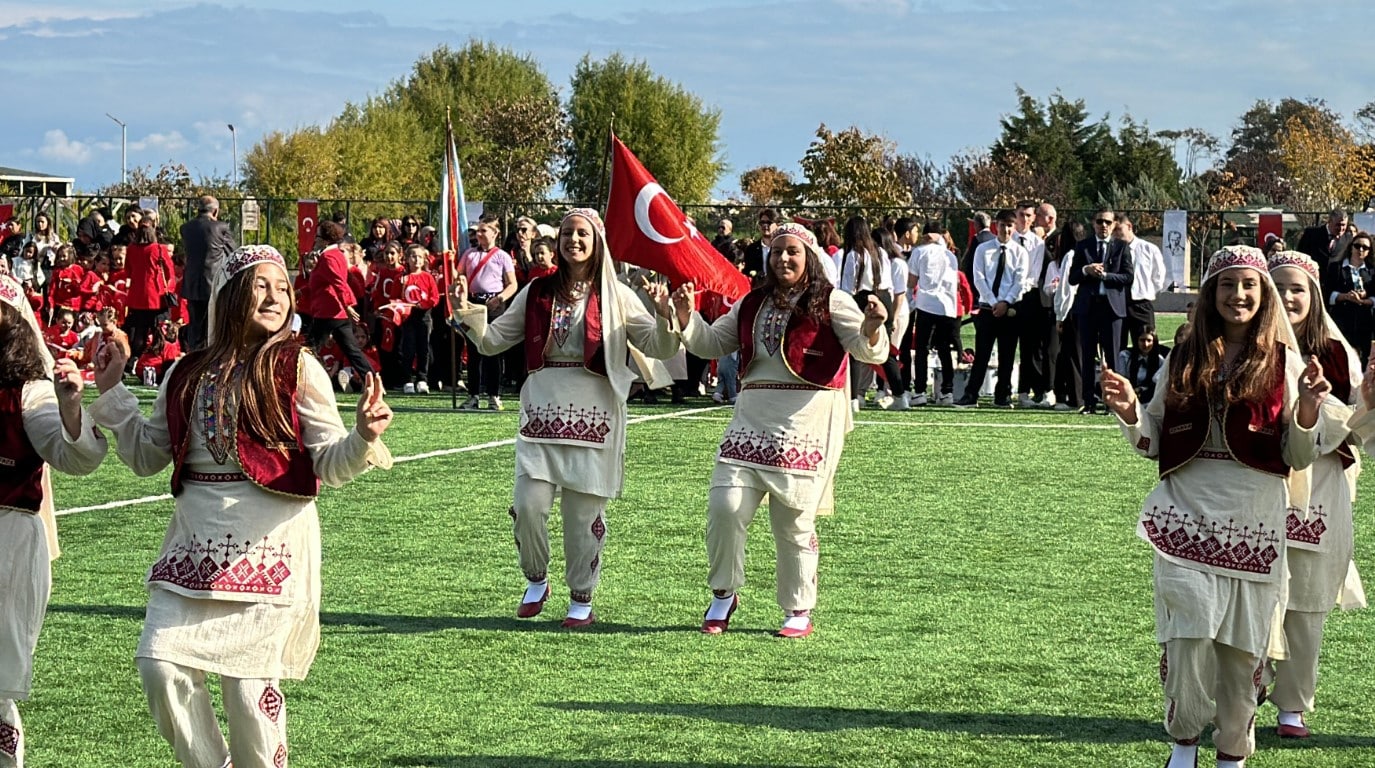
645	228
307	220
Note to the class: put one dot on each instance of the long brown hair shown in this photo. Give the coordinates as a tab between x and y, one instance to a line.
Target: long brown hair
564	276
1196	364
21	357
1313	337
261	410
814	287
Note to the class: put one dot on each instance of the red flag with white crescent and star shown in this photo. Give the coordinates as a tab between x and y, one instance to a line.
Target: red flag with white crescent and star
646	228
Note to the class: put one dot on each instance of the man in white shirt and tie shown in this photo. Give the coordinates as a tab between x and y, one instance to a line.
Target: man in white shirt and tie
1035	317
1148	279
1000	267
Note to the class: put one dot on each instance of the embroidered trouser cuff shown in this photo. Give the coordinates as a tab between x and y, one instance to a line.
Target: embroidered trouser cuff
11	736
584	534
730	510
1206	681
181	708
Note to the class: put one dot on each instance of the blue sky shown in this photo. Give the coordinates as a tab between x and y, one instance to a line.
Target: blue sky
933	75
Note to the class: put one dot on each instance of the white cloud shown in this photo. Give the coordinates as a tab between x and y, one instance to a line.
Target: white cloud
56	146
22	14
162	142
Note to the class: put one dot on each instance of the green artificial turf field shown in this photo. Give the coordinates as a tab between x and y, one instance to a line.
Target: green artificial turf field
984	601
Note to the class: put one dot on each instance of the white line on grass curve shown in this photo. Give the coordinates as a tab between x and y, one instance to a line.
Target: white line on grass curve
969	424
398	460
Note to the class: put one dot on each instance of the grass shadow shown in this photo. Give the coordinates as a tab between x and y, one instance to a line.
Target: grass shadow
529	761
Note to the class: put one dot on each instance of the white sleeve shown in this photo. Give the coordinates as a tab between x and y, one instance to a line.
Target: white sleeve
846	319
650	333
143	444
338	453
499	335
43	426
718	339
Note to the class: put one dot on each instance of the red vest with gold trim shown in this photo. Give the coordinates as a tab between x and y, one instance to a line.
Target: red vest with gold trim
810	348
1335	369
21	468
1252	432
539	322
290	473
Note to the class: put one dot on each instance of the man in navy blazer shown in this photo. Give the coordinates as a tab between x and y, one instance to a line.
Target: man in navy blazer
1102	269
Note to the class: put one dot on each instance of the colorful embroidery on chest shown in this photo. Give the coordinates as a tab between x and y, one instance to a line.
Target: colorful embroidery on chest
773	323
563	321
778	451
1194	538
225	565
1308	531
218	424
567	422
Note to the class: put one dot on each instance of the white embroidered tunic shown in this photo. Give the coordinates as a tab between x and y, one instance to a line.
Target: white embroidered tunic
572	424
786	435
236	587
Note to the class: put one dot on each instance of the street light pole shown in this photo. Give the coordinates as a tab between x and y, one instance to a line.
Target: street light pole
234	135
123	149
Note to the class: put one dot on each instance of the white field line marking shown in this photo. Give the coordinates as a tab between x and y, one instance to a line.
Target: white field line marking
969	424
397	460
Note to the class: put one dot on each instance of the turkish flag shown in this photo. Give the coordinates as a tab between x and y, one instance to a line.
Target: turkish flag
645	228
307	220
1269	224
6	212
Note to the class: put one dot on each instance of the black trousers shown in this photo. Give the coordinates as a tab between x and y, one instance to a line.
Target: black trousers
342	331
415	346
905	349
1140	316
990	331
139	325
484	373
1069	376
942	331
197	324
1039	345
1100	330
443	350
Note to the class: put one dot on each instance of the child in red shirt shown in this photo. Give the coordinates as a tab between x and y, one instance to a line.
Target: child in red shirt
60	337
117	287
421	292
541	258
64	289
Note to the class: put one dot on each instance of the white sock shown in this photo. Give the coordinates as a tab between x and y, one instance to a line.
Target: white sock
579	611
1291	718
720	608
797	622
1184	756
1231	764
534	590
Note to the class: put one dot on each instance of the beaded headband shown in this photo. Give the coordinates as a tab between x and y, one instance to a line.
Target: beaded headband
590	215
251	255
1299	260
791	229
1236	257
11	293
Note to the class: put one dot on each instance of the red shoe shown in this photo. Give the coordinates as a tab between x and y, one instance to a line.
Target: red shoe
717	626
531	610
1299	731
571	623
795	633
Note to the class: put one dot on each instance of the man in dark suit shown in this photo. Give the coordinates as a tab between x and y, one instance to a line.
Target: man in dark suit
982	224
1326	242
1102	269
757	253
207	242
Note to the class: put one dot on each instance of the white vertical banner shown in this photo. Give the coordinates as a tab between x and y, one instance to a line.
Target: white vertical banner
1174	244
248	218
148	203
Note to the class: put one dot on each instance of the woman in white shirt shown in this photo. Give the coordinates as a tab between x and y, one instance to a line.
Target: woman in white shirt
865	272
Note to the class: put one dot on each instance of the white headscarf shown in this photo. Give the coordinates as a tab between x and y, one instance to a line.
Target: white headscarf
615	346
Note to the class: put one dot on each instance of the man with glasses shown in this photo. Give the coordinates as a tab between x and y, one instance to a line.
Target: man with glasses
1326	242
757	254
1102	269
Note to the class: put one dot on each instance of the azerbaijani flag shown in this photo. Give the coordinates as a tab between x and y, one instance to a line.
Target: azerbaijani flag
453	207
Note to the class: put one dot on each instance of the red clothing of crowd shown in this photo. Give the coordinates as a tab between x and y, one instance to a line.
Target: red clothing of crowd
151	275
65	287
330	294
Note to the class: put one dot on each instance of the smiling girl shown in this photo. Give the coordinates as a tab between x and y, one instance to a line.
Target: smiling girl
1234	413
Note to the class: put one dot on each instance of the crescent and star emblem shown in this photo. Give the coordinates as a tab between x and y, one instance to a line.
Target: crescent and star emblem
642	202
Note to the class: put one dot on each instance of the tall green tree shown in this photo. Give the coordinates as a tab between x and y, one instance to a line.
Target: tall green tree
1254	155
671	130
851	168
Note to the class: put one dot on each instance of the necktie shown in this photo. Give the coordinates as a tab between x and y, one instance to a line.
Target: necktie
998	276
1102	259
1045	264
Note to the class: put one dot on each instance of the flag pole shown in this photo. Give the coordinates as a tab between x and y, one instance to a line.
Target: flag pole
449	272
602	182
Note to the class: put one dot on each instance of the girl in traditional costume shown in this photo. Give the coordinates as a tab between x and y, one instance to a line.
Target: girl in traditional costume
577	325
1320	533
795	334
41	423
1235	412
251	429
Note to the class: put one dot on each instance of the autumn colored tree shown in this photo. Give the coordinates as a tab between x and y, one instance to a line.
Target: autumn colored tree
980	181
852	168
1326	167
767	185
1254	153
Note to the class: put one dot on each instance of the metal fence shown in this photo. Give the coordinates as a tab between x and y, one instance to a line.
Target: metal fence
1208	229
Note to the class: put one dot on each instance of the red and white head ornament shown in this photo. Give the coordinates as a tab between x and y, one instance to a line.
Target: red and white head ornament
590	215
1236	257
793	229
1299	261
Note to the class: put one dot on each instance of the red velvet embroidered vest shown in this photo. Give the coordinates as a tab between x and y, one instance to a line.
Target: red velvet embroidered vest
291	473
1252	432
810	349
539	323
21	468
1335	369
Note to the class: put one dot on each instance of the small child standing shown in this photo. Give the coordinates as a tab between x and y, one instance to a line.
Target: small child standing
421	293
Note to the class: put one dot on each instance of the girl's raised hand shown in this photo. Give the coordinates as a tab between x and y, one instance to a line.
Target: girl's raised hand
374	415
1118	394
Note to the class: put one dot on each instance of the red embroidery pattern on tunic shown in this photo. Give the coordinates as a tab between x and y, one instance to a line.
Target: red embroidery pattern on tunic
1308	531
226	566
279	759
1144	444
1221	546
562	323
567	422
271	703
813	546
782	451
9	739
598	528
596	561
1164	667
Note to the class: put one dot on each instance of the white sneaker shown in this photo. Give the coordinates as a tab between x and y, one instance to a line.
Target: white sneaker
946	399
918	399
409	389
470	404
856	404
342	379
900	403
460	386
494	404
422	387
1048	401
1024	401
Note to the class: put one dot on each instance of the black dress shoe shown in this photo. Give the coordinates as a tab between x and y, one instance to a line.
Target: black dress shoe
967	402
1088	410
1003	403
